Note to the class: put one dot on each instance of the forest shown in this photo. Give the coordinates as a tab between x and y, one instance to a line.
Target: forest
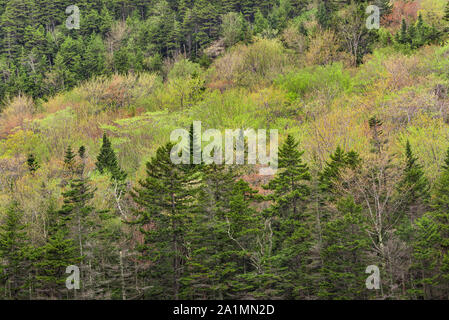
87	179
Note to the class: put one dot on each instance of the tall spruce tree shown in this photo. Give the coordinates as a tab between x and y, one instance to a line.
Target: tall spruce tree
13	244
288	186
107	161
432	247
425	256
339	160
344	253
69	162
53	258
402	36
77	207
212	266
414	186
32	163
292	233
252	238
167	197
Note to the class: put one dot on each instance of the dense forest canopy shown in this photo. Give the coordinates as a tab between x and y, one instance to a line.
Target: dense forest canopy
87	179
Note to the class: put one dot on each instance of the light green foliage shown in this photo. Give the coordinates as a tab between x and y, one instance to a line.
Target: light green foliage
232	28
307	81
137	70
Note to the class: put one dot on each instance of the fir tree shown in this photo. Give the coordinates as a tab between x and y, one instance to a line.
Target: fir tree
77	207
13	244
344	253
83	157
290	215
53	258
251	235
167	198
324	14
376	131
17	16
403	35
440	217
82	152
288	187
213	265
32	163
107	160
107	163
330	176
425	256
69	161
414	186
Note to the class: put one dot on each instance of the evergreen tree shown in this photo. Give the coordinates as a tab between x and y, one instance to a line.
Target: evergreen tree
403	35
288	187
107	163
167	196
329	178
94	60
69	161
425	256
76	214
290	218
53	258
376	131
106	20
32	163
414	190
17	16
338	161
324	14
77	207
414	186
252	238
432	247
13	244
344	254
213	265
106	160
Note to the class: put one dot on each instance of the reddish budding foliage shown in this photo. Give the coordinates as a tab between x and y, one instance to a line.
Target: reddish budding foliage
221	85
407	10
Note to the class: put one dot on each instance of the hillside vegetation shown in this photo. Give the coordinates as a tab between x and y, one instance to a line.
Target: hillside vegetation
85	171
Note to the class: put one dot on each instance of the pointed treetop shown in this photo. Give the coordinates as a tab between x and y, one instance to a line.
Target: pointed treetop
82	152
32	163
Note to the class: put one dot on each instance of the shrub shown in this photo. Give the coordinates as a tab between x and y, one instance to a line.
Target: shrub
324	48
184	68
294	39
15	113
118	91
248	65
332	79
